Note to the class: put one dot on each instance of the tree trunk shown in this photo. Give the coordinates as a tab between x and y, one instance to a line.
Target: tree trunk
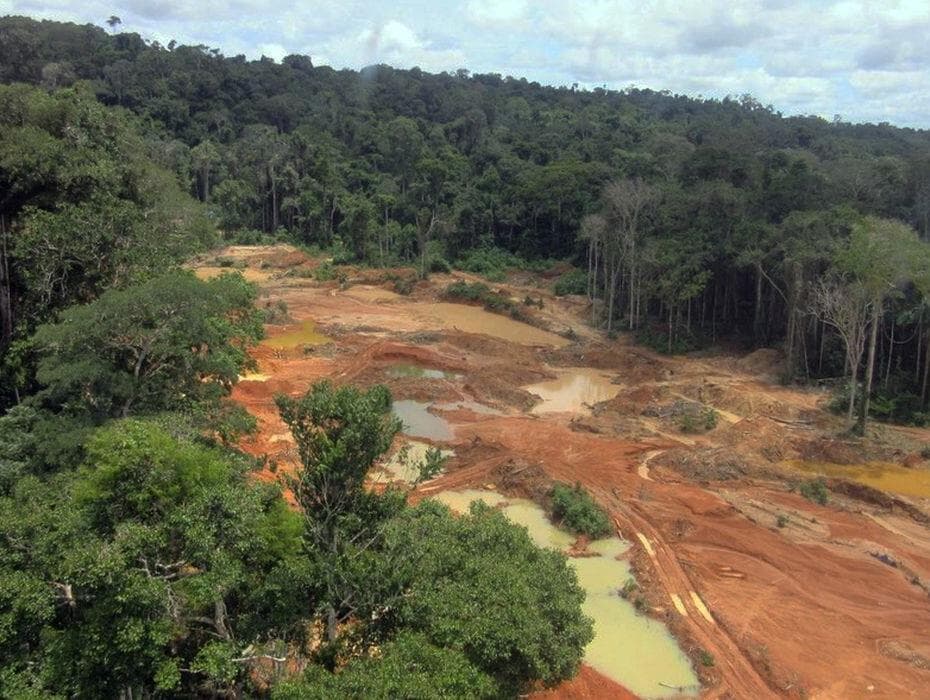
869	368
853	383
890	355
6	295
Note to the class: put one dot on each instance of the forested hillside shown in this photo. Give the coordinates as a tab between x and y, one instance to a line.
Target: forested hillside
696	220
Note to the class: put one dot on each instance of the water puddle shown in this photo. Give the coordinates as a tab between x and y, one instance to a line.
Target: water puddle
884	476
473	319
307	334
574	390
403	371
631	649
419	422
404	464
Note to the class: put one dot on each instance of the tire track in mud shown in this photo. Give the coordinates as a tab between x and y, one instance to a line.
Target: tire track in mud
739	678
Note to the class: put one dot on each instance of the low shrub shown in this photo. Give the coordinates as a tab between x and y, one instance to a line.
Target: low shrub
275	312
325	272
574	282
700	422
815	490
404	285
439	264
574	509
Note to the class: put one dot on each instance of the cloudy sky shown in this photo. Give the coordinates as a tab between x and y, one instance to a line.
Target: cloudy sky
865	60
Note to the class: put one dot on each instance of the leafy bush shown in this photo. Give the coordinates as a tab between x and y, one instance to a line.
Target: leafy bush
574	508
701	422
656	338
574	282
815	490
893	404
324	272
492	263
439	264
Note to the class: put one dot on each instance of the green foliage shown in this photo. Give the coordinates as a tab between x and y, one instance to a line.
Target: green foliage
574	282
478	292
629	588
325	272
491	263
892	402
85	206
707	659
408	666
478	585
573	508
340	433
698	422
158	345
815	490
157	548
657	339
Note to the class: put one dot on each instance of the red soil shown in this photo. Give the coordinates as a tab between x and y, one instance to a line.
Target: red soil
802	605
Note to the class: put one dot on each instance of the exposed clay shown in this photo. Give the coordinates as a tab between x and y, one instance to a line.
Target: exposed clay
783	597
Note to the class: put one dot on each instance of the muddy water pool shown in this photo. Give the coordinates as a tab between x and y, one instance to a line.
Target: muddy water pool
884	476
573	390
473	319
306	334
631	649
419	422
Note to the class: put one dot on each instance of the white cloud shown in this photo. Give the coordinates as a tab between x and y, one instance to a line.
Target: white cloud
496	12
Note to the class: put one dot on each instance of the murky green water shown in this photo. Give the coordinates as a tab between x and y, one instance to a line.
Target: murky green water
418	372
307	334
885	476
631	649
419	422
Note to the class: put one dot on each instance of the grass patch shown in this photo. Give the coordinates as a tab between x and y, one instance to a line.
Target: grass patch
574	509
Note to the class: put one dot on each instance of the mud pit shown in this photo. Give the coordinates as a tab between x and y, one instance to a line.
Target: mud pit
767	593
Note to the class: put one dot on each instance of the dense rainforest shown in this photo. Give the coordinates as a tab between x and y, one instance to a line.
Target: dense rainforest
138	558
693	220
139	555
